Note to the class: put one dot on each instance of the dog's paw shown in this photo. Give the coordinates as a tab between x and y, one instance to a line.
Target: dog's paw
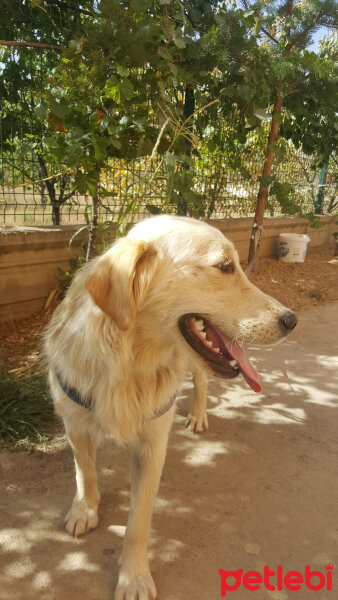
135	587
81	518
197	423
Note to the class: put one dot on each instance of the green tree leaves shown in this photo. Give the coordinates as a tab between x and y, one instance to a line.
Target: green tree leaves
119	89
212	70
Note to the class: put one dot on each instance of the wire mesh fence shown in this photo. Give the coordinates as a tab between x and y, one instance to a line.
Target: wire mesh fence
143	184
32	188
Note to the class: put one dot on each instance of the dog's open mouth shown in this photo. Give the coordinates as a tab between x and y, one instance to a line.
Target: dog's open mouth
221	353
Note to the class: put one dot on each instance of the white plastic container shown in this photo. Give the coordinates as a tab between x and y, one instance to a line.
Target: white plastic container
292	247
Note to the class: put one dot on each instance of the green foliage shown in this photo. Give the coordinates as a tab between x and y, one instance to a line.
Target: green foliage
282	193
315	222
26	411
210	72
25	155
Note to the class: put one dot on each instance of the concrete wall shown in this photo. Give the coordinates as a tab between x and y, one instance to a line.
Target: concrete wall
30	257
239	232
29	263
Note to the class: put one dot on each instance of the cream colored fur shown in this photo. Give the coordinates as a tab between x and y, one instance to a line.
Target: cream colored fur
115	339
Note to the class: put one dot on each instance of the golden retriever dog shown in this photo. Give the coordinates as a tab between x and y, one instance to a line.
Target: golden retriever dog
170	293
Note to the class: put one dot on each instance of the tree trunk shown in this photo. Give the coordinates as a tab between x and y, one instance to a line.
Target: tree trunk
56	214
93	229
189	108
263	192
50	184
188	111
320	192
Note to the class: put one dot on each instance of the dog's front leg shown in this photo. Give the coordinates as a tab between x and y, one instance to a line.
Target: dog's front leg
82	515
135	581
197	419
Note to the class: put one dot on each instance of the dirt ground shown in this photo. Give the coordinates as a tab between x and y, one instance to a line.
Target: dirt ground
258	488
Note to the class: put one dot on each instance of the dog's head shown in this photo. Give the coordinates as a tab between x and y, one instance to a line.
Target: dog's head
183	277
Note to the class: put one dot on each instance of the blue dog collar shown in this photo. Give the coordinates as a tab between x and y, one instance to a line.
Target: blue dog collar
74	395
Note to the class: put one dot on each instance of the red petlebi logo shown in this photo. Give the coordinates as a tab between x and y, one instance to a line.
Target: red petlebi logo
276	580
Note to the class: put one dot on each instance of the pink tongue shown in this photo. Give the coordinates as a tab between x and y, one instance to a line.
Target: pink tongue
248	371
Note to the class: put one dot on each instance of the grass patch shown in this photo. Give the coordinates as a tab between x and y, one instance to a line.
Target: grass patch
316	293
26	411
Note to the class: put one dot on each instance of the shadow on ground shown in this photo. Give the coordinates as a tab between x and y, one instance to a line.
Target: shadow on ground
259	488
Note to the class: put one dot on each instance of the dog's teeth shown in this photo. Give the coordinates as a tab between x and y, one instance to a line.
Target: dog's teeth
199	323
203	333
209	343
234	364
216	350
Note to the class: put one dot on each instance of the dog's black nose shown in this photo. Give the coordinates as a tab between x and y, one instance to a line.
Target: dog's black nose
288	321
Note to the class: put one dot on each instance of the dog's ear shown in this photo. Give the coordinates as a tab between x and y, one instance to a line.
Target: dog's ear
120	279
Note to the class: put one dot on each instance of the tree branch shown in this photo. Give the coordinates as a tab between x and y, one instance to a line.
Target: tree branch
333	158
29	45
302	34
289	7
269	35
293	84
36	181
68	196
246	6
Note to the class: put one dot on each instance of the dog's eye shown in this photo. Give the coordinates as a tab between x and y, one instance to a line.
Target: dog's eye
226	267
